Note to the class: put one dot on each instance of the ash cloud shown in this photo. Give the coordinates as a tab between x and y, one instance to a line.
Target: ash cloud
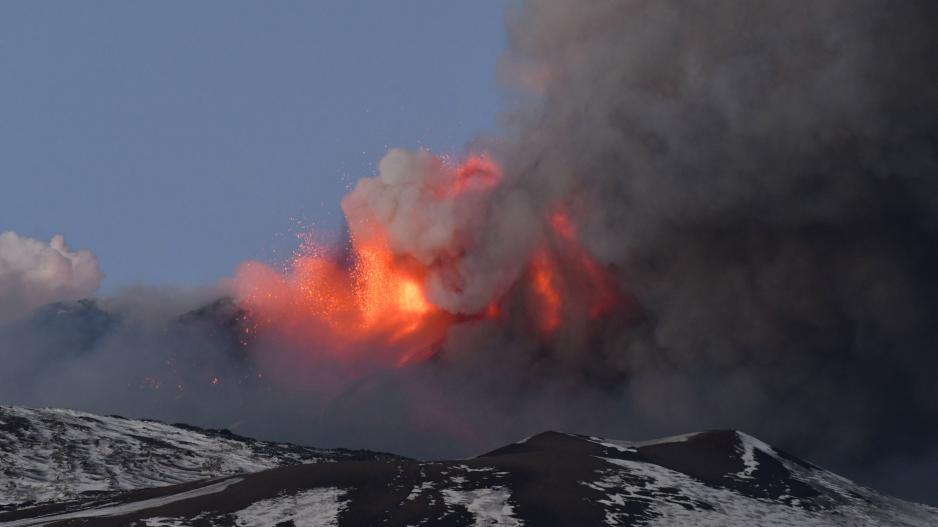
184	356
759	178
764	178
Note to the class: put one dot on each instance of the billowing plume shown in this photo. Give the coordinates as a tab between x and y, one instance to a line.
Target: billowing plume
701	214
764	177
760	179
33	273
434	214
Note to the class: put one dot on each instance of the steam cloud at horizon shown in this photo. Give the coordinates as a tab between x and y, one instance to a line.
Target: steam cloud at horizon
33	273
759	179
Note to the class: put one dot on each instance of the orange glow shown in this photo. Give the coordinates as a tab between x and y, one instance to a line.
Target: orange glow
379	300
477	171
384	290
377	304
411	298
493	310
543	278
371	306
596	283
560	222
604	293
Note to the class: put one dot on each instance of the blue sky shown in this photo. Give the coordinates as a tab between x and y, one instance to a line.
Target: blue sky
177	139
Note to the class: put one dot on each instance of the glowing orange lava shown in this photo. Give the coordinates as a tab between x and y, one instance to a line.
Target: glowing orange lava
477	171
372	304
379	299
560	222
567	281
543	277
375	302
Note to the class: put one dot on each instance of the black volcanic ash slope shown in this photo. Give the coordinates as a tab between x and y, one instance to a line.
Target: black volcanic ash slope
722	478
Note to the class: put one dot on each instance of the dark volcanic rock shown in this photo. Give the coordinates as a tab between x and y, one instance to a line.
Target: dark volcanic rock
58	455
711	478
75	326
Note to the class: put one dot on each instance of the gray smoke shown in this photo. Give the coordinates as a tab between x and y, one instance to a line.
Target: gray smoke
758	177
763	176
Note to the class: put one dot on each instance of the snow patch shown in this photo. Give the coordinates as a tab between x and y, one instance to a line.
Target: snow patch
488	506
165	522
697	504
749	445
419	489
313	508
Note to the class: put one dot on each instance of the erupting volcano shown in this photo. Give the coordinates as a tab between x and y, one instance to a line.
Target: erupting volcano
392	295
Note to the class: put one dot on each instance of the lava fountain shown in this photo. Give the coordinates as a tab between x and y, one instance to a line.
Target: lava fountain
412	221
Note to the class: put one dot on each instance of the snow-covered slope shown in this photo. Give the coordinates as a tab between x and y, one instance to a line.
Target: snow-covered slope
727	478
716	478
54	454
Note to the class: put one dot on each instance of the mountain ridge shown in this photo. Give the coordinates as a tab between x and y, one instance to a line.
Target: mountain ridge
715	477
55	454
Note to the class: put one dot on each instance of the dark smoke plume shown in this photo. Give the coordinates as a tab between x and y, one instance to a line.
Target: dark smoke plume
758	177
764	176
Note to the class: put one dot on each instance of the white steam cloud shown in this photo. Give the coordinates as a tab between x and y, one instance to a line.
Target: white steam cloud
34	273
412	203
